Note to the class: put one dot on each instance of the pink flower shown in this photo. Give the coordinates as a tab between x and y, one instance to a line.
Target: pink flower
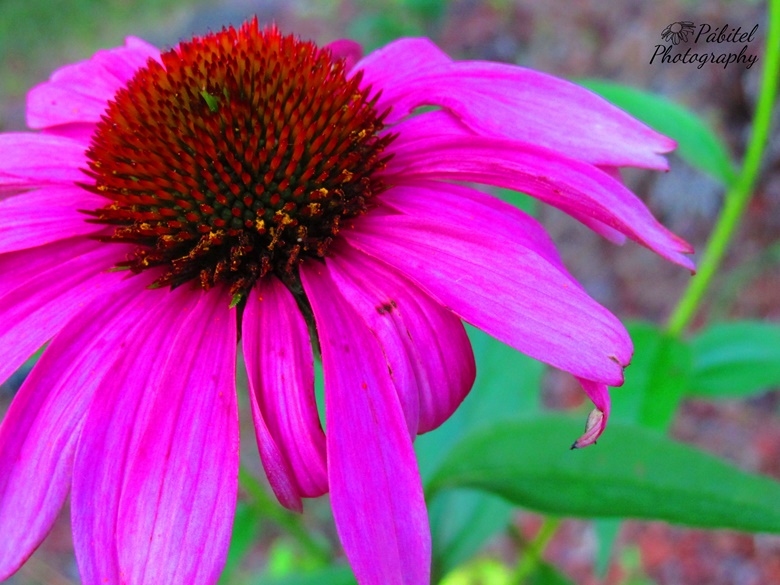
259	189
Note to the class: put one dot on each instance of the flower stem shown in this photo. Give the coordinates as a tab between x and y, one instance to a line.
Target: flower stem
532	554
290	522
739	192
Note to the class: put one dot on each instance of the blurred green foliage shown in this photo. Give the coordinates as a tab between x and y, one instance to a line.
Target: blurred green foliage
38	35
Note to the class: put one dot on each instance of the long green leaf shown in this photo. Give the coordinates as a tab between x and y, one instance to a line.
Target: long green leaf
507	384
697	143
733	360
462	521
245	529
632	473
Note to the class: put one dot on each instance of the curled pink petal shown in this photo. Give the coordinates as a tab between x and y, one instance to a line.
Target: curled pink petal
426	346
279	362
597	419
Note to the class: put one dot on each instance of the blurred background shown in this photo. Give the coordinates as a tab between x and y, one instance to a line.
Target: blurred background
611	40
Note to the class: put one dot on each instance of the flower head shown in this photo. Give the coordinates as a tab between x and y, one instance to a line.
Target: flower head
262	189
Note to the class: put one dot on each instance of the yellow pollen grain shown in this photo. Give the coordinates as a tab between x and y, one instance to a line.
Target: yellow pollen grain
283	219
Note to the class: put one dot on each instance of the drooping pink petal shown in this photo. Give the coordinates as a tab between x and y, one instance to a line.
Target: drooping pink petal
579	189
37	308
156	469
80	92
39	433
39	160
504	287
500	100
346	49
179	497
38	217
278	355
277	468
597	420
426	345
375	487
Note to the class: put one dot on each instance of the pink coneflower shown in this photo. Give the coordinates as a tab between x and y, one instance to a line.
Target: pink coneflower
249	186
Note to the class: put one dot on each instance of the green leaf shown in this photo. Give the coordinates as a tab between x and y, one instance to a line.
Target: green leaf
656	380
519	199
461	522
734	360
607	532
245	529
697	143
546	574
508	383
632	473
329	576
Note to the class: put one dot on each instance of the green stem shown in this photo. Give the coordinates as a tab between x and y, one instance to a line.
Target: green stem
266	507
740	191
532	555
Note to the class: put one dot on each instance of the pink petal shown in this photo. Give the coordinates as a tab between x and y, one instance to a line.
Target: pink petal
80	92
579	189
277	351
277	467
38	435
18	267
597	420
436	200
425	345
38	217
37	160
375	486
403	59
80	132
37	308
346	49
156	470
507	101
505	287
